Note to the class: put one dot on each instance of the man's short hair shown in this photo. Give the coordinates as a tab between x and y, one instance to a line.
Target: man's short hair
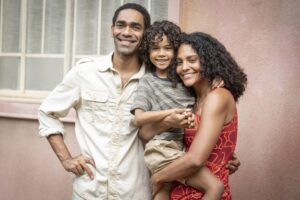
137	7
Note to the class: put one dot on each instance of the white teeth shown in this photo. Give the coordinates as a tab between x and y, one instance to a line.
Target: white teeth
187	75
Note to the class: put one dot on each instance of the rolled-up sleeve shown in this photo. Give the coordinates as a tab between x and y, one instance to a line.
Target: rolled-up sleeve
143	96
65	96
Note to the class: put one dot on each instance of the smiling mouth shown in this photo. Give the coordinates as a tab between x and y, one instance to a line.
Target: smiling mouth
126	41
162	61
186	76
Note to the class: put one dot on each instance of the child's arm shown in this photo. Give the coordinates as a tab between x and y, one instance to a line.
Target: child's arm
179	118
142	117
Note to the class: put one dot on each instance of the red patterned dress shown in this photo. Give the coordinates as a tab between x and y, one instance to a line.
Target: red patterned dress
216	162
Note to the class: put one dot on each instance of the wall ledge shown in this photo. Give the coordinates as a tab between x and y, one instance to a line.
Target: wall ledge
28	111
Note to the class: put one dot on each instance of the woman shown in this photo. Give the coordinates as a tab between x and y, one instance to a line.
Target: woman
201	59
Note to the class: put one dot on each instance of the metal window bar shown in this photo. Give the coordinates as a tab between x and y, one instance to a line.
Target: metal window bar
69	47
1	23
99	27
68	32
43	27
74	32
23	22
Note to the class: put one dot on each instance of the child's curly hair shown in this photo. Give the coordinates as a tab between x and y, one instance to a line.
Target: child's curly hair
216	62
155	34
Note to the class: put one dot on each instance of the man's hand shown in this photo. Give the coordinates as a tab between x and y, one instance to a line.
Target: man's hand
234	164
78	165
180	118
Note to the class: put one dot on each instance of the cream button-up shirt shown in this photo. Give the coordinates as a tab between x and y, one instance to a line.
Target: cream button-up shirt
103	127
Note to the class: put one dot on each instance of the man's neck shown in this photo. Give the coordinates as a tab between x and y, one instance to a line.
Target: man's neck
126	64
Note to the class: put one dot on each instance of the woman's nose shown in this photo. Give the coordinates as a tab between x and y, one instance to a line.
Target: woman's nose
184	65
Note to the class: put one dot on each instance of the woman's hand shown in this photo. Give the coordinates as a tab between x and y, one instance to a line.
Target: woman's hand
156	185
234	164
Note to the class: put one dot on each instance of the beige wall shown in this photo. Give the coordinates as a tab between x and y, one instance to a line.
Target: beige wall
263	36
29	169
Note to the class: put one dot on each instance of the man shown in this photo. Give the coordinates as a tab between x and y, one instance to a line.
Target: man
101	91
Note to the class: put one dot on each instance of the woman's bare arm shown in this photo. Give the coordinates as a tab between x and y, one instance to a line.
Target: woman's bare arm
213	117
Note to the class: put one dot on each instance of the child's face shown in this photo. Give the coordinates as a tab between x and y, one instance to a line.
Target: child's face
161	55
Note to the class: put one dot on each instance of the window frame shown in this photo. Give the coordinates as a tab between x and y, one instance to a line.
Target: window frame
24	103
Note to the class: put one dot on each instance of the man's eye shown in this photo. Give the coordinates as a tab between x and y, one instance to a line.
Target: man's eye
118	25
136	28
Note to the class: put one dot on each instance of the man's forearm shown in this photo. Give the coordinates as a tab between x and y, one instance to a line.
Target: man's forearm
59	147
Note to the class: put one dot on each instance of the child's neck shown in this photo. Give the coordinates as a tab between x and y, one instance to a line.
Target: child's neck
161	74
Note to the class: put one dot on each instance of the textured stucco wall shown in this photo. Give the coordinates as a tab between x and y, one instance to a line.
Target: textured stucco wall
29	169
263	36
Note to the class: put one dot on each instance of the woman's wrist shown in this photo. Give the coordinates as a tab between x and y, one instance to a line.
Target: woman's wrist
156	178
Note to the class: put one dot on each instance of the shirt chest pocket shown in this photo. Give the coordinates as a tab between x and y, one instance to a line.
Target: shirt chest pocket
95	105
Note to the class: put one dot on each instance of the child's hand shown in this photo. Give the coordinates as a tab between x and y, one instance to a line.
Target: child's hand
233	164
179	118
217	83
190	116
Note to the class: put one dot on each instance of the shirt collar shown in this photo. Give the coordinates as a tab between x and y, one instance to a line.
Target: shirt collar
105	63
140	73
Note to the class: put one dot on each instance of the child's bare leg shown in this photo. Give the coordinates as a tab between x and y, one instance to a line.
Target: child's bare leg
205	180
163	194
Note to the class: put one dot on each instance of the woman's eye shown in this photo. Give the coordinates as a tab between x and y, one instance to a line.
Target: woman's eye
178	62
192	60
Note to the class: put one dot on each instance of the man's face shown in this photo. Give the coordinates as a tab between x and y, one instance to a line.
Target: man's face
128	31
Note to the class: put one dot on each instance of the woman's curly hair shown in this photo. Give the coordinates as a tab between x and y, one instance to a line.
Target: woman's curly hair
216	62
152	36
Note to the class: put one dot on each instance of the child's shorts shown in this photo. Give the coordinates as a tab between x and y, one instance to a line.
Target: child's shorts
159	153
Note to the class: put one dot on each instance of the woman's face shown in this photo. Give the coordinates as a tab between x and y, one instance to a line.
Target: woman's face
188	65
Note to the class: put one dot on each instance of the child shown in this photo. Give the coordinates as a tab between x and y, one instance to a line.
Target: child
158	95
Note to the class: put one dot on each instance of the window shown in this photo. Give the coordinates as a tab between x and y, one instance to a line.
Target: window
41	39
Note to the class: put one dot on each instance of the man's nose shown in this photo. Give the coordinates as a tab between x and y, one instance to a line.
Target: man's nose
127	30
